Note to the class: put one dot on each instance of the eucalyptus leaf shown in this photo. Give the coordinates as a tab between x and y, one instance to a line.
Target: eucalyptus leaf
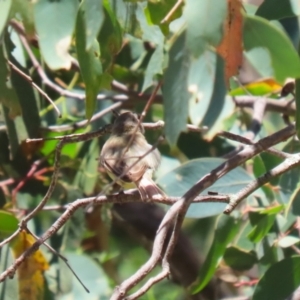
227	227
220	107
204	23
24	10
279	281
94	18
110	37
153	34
175	94
239	259
201	78
87	174
288	241
8	224
91	275
181	179
258	32
8	96
262	228
5	6
89	61
55	22
278	9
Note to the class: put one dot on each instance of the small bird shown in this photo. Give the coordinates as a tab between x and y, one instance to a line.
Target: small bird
128	156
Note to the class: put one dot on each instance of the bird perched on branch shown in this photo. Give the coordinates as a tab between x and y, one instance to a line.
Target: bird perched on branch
128	158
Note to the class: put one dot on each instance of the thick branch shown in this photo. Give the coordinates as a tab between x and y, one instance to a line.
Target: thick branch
127	196
178	210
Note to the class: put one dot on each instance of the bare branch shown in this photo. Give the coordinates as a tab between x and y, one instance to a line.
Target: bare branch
10	238
127	196
171	12
28	78
282	105
178	210
246	141
290	163
66	139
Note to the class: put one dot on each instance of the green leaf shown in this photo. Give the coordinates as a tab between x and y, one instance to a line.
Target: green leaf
94	18
89	61
87	174
154	67
175	95
8	224
278	9
181	179
260	59
290	190
27	100
227	228
271	210
293	204
70	149
5	6
8	96
91	274
279	281
297	98
238	259
109	38
205	20
201	78
288	241
220	108
55	22
258	32
11	132
24	11
158	10
262	228
9	289
153	34
258	166
242	240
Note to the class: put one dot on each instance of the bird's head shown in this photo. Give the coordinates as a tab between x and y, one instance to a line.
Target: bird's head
127	123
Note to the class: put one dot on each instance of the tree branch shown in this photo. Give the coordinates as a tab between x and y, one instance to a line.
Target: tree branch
127	196
178	210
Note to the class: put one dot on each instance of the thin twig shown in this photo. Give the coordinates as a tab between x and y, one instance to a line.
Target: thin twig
64	259
290	163
67	139
29	79
29	175
10	238
150	126
282	105
81	124
259	109
7	182
141	291
171	12
143	114
246	141
127	196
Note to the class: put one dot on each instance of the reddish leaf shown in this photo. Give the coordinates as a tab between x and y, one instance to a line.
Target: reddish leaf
231	48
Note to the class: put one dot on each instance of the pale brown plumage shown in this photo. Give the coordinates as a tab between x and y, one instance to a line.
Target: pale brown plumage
123	156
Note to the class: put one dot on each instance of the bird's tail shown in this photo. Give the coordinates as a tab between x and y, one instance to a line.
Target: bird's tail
148	188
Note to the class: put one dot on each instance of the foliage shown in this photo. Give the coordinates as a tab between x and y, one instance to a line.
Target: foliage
219	66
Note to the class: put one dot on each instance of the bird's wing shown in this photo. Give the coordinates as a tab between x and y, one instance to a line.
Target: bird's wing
117	159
